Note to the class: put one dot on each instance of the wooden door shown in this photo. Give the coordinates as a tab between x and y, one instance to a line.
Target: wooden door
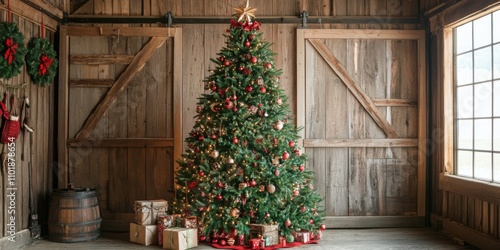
120	115
361	101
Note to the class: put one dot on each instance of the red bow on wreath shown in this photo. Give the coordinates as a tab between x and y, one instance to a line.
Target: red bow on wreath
45	63
10	52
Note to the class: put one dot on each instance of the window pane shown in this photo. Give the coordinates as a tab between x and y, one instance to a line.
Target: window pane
482	31
465	102
496	98
496	135
496	60
464	134
464	163
464	38
496	26
482	134
482	64
482	100
464	69
482	165
496	167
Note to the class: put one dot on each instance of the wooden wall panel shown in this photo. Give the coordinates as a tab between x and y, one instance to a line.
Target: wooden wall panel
40	152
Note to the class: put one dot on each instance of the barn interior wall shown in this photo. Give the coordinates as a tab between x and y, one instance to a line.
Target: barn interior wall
202	42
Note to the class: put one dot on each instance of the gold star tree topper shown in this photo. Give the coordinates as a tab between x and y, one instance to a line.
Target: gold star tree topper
245	12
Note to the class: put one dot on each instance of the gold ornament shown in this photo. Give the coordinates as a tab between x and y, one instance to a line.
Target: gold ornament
271	188
245	12
235	213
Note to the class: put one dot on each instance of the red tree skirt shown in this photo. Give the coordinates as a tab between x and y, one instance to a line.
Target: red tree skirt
288	245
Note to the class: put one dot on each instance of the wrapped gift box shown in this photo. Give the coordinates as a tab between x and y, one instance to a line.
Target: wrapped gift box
190	222
180	238
147	211
302	236
164	221
268	233
254	243
143	234
316	236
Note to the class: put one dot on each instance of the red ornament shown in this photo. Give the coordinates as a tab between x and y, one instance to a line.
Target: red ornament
253	183
213	137
262	89
297	152
201	174
201	137
288	222
214	87
192	184
228	104
202	238
235	109
322	227
227	63
253	59
252	214
303	209
311	221
249	88
234	98
268	65
247	44
247	71
235	140
295	192
267	215
301	168
277	172
285	156
291	144
222	58
222	242
220	185
251	37
219	197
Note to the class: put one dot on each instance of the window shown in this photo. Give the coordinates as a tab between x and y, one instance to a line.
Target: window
477	98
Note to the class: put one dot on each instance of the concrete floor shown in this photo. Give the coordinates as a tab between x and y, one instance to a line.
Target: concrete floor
386	238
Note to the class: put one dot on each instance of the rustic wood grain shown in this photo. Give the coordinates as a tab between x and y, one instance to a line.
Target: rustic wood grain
124	79
374	143
355	89
101	59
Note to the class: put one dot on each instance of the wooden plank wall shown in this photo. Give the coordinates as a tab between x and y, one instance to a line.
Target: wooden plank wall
468	210
43	120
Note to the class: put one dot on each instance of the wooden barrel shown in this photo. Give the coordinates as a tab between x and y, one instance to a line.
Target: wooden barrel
74	215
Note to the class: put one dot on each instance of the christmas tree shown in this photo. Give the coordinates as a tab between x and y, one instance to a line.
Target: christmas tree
243	164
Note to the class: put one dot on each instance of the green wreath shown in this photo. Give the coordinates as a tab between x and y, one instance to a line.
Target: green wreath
41	61
12	49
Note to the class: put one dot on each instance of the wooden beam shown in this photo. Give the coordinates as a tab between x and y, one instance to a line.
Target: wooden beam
91	83
362	34
76	4
121	142
469	235
100	59
120	31
177	92
422	123
365	143
29	13
62	121
301	85
135	66
362	98
395	102
481	190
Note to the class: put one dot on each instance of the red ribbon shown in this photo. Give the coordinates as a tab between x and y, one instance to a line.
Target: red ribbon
45	63
10	52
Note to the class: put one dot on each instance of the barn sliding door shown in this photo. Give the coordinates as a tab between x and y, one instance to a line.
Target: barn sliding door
361	101
120	115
